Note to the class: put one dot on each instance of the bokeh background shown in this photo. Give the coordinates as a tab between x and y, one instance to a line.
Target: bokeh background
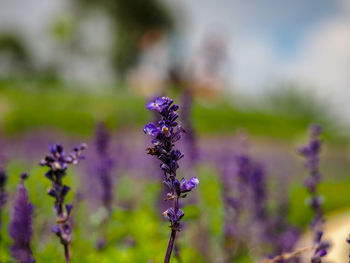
252	71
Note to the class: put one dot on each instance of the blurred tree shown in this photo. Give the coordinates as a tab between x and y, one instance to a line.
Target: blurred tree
137	24
13	53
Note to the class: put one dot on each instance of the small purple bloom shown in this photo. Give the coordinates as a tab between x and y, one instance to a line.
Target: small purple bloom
69	208
151	129
187	186
159	104
56	229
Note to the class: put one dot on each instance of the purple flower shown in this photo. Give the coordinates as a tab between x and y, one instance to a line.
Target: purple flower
311	153
164	134
20	228
58	162
187	186
151	129
159	104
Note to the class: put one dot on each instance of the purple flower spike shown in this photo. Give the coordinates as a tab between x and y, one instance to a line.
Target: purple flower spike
20	228
164	134
58	162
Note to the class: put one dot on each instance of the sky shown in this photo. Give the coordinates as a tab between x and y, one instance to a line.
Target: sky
273	41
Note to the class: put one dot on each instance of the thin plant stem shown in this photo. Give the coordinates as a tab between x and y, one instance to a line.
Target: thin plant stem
174	229
67	253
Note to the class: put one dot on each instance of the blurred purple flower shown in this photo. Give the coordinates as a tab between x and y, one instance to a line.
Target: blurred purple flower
164	134
104	168
190	141
311	153
20	229
248	222
105	165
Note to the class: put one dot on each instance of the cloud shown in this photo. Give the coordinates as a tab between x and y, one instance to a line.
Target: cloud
324	60
320	63
254	64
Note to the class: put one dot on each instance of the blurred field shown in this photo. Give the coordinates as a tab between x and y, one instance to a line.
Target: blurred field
136	231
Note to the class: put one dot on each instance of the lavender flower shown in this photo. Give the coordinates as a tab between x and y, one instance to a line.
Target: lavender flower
165	133
20	229
58	163
311	154
105	165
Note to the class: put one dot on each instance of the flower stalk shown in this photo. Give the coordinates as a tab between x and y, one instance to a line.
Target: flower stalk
165	133
58	162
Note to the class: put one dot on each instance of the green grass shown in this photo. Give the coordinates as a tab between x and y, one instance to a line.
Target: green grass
27	106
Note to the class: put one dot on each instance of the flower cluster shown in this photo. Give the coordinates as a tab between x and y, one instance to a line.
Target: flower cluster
311	154
249	224
58	162
164	134
20	229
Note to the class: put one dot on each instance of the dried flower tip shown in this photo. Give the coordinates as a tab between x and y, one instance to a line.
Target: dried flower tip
151	151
